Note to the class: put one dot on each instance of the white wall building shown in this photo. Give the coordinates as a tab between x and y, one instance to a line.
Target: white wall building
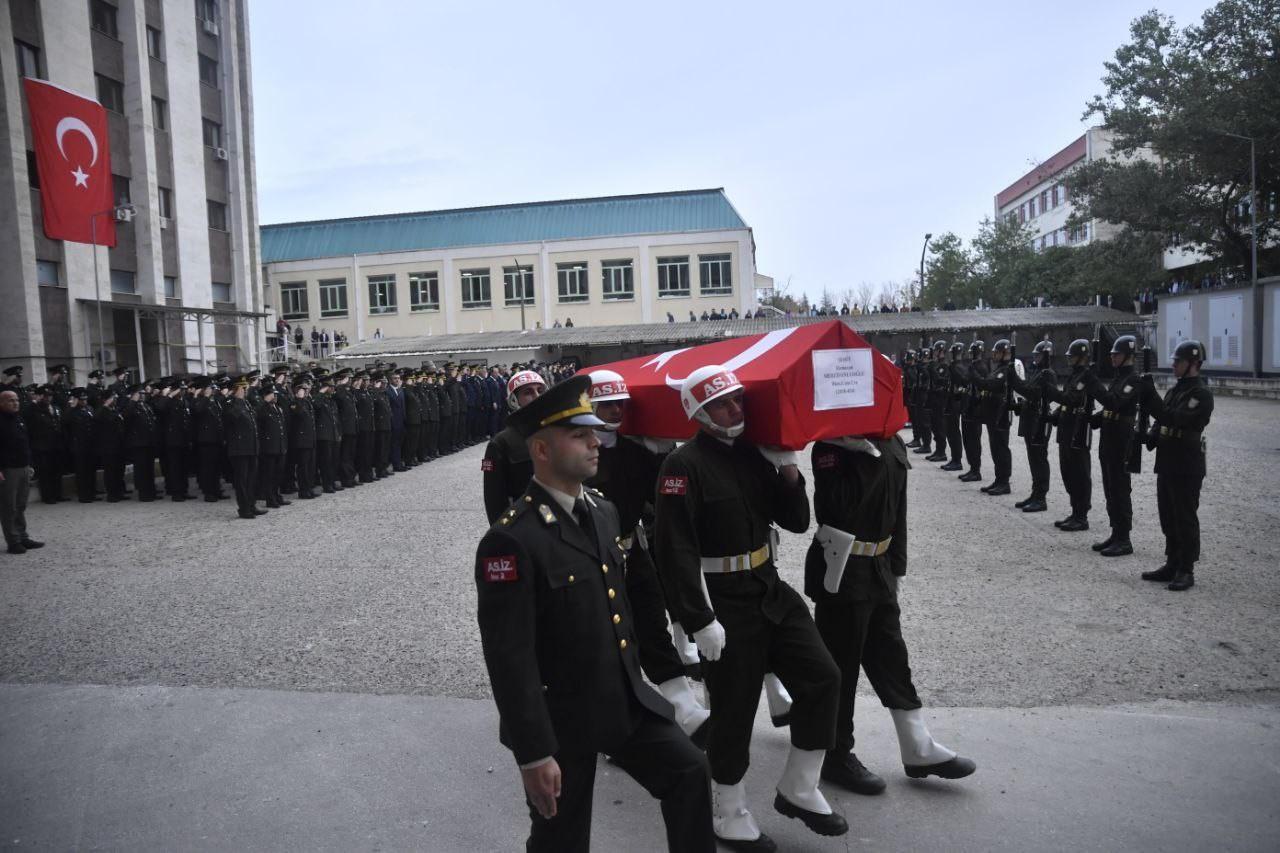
179	290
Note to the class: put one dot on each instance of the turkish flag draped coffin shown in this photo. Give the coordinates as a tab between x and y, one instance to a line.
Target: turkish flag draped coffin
803	384
72	156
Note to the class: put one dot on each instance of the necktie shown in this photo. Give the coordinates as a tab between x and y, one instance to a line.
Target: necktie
582	514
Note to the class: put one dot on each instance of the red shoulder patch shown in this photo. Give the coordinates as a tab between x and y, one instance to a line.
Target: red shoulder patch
673	486
825	460
486	464
500	569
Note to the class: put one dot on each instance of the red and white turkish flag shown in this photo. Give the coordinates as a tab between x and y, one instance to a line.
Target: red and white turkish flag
70	137
805	383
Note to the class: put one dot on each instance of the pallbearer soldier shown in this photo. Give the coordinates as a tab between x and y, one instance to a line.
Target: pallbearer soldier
557	630
851	573
628	476
1033	426
1178	436
957	380
939	382
108	435
241	429
302	439
1073	452
971	413
328	437
348	421
139	441
506	466
718	496
994	391
1115	437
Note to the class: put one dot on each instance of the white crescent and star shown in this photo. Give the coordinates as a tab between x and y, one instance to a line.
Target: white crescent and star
71	124
748	355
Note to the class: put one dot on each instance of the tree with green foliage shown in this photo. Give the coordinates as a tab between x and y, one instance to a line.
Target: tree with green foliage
1174	97
948	273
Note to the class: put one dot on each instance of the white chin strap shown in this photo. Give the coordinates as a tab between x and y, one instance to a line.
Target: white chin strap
732	432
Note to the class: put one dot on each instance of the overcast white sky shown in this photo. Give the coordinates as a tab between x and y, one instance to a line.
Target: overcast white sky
842	132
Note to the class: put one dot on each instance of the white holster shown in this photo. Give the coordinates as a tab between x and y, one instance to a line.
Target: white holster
836	547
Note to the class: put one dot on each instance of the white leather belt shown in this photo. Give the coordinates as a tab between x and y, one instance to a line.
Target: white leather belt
738	562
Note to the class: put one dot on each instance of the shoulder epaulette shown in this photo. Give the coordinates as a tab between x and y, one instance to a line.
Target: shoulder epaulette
516	510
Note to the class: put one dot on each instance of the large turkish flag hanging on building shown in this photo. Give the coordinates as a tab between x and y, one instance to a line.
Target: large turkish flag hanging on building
803	384
72	156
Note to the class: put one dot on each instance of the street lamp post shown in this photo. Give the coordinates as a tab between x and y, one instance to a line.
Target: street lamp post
923	249
1253	249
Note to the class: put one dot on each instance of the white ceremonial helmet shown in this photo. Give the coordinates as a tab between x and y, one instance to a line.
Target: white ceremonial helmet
607	386
703	385
520	380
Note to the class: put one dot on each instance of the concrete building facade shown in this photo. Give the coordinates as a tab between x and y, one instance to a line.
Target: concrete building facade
180	292
600	261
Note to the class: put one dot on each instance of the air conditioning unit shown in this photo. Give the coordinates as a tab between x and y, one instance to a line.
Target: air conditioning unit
124	214
219	153
164	223
210	27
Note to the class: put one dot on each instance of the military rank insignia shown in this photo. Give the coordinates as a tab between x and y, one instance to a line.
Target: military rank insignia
548	517
500	569
674	486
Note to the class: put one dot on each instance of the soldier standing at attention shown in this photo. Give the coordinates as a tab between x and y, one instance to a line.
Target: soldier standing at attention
108	436
1115	435
139	441
556	629
997	415
506	467
271	447
908	368
348	422
957	377
939	382
44	427
302	439
364	427
971	413
920	393
1073	462
1178	435
207	413
1030	427
328	437
718	497
240	426
78	425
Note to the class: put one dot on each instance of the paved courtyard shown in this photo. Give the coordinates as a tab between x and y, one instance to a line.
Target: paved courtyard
1015	630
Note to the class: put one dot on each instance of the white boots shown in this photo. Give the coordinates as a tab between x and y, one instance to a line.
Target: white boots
730	818
690	715
799	782
914	741
779	700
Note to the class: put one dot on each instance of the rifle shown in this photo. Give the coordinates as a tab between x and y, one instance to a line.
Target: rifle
1007	402
1044	428
1082	435
1143	423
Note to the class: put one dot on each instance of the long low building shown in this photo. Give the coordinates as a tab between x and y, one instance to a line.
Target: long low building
590	262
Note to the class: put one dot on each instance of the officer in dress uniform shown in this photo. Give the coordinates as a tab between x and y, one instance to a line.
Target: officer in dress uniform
364	427
1073	462
411	438
718	497
108	437
1115	437
1177	433
140	427
971	412
328	437
556	626
994	393
302	438
348	422
11	380
44	428
506	466
271	448
78	428
851	572
93	388
240	426
121	383
1030	427
206	411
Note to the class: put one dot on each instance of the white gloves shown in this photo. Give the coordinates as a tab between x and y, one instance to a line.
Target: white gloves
856	444
780	457
710	640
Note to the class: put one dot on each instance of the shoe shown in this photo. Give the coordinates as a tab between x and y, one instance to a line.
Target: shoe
211	499
1020	504
330	491
273	504
970	477
178	498
1063	521
1035	506
146	500
249	515
924	448
17	548
848	772
956	768
952	466
822	824
89	500
302	497
1105	543
1075	525
1118	548
913	443
936	457
760	844
31	544
998	489
1164	574
400	469
987	487
1182	581
257	510
116	499
284	502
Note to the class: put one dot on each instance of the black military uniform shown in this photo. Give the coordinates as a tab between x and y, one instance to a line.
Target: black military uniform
1073	462
240	426
939	383
1178	436
302	441
431	418
206	413
993	391
44	429
348	421
12	381
381	430
562	659
108	436
506	469
140	428
328	438
1032	430
78	428
908	368
364	434
971	412
93	388
920	393
957	382
272	443
410	445
1115	423
175	416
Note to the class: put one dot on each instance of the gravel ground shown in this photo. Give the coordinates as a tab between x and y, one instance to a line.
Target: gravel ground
370	591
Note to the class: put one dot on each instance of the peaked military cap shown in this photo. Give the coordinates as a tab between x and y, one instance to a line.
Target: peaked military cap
16	370
564	405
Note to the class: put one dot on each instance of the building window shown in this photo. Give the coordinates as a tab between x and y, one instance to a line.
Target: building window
110	93
102	17
382	294
28	59
212	133
424	291
47	273
208	70
716	274
1044	200
217	215
222	292
207	11
617	283
171	287
673	276
571	282
159	114
120	189
123	281
155	45
165	197
33	174
333	297
293	300
517	285
475	289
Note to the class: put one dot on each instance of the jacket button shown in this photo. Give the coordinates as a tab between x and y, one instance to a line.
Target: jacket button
604	568
528	499
570	578
622	644
611	592
616	618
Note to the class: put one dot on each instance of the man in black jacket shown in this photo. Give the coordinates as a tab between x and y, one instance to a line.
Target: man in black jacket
348	423
1073	461
108	436
172	410
364	428
44	427
15	475
207	415
1033	432
302	439
328	437
140	429
78	427
240	426
271	447
1115	425
557	630
382	427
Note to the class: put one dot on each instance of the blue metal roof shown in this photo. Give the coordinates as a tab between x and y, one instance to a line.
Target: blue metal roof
613	216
